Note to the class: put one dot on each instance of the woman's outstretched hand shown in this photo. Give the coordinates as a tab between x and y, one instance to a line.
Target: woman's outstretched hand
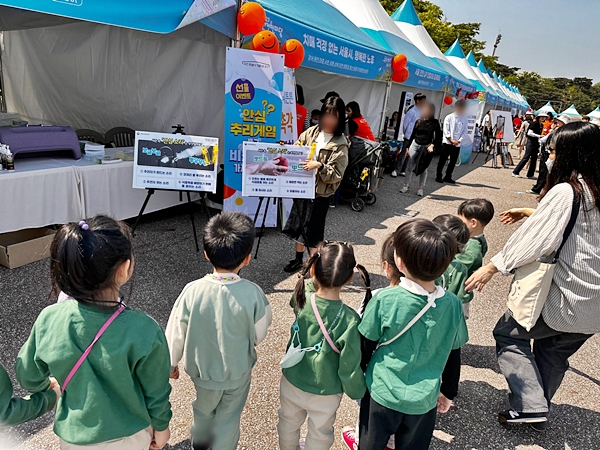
480	278
514	215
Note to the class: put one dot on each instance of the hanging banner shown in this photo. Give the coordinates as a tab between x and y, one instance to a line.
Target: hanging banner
275	171
254	90
471	114
289	124
175	162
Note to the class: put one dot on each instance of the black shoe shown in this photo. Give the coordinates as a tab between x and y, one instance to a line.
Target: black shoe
293	266
449	181
539	426
197	446
439	180
512	416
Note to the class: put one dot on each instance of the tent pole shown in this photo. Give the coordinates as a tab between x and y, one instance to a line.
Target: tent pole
388	89
2	91
237	42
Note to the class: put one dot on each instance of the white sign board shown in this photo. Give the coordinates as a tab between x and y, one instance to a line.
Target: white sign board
175	162
271	170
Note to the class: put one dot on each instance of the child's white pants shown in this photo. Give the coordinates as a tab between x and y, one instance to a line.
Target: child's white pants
295	406
138	441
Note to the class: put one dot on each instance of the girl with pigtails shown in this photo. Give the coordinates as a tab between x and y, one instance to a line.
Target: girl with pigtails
324	353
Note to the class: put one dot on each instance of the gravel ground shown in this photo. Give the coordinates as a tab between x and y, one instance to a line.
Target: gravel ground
166	261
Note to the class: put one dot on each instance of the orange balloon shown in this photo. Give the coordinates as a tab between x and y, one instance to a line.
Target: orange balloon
447	100
399	62
294	53
400	76
251	18
265	41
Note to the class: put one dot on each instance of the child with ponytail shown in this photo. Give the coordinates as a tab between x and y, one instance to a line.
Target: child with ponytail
112	362
324	353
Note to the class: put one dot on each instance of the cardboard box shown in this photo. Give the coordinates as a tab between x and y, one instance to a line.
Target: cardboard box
26	246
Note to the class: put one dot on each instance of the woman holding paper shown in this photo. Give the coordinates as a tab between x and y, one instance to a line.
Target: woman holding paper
329	158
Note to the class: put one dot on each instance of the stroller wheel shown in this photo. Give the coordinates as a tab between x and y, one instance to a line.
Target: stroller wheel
358	204
370	199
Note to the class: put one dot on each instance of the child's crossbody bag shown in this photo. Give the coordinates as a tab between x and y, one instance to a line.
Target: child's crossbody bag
89	349
295	353
430	302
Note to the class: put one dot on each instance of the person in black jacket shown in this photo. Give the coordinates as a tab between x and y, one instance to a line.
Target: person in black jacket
534	133
426	136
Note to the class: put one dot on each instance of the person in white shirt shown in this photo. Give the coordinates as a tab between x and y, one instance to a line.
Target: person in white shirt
455	130
408	124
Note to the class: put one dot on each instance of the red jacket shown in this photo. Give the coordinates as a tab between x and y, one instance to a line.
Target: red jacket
301	113
364	130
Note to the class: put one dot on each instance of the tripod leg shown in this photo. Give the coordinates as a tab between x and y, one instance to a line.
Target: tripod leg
262	228
204	205
191	206
260	202
141	213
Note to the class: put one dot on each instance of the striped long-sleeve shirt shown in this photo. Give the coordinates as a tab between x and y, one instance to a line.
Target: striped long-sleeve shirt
573	304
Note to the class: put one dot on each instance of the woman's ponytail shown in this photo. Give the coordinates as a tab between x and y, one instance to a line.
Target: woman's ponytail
299	291
367	280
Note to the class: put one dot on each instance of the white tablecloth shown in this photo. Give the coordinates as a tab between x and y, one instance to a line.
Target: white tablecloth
47	191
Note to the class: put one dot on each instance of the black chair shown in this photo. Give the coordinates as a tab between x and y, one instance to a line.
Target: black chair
89	135
120	137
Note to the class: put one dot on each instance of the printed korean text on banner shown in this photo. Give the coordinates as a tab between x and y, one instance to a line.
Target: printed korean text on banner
254	88
289	124
329	53
471	114
175	162
275	171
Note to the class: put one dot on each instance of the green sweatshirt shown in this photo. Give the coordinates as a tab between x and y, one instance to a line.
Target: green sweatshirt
123	385
473	253
215	326
14	411
453	280
326	372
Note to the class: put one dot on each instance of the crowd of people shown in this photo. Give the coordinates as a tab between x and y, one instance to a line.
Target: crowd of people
105	367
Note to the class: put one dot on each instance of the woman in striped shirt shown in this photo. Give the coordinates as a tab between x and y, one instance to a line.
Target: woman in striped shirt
572	308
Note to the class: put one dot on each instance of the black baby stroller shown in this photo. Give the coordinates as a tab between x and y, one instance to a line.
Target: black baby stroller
364	173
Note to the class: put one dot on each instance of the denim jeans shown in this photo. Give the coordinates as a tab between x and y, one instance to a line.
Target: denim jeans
413	153
533	376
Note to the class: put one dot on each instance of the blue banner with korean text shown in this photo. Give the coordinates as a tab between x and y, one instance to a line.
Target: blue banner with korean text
254	91
328	53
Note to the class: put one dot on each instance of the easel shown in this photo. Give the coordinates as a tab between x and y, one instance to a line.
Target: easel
191	208
278	202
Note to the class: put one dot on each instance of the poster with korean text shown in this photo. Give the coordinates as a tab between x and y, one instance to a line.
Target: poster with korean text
175	162
276	171
254	91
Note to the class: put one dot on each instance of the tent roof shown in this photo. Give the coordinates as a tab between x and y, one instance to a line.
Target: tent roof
571	111
157	16
595	113
547	108
410	25
332	43
455	50
461	64
370	16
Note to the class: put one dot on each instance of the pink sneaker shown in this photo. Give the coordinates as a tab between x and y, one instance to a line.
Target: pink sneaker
350	438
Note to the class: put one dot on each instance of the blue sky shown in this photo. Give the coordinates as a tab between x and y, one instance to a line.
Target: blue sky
569	28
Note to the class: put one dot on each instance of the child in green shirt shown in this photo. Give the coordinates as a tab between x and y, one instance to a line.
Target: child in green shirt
453	280
118	398
14	411
215	326
409	331
323	358
476	214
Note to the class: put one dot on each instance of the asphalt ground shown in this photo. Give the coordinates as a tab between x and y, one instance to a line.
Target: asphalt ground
166	261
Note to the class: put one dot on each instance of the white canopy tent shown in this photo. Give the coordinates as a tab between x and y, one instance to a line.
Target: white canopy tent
571	112
547	108
595	114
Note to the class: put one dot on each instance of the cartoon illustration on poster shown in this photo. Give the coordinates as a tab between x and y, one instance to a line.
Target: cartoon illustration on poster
254	88
276	171
175	161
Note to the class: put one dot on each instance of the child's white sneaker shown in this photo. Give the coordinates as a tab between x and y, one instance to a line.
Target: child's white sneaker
420	193
404	190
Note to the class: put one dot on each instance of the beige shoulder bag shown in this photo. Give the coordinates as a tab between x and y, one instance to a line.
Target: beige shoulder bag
531	283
